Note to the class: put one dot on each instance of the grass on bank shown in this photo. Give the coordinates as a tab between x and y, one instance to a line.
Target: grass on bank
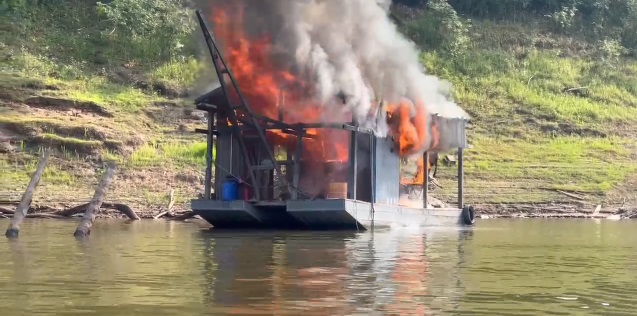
172	154
528	135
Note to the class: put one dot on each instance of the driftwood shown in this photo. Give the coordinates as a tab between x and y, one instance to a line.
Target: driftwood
171	203
5	210
184	216
44	215
21	210
72	211
84	228
571	195
123	208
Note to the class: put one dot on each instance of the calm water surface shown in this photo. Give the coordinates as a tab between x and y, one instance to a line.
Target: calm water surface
500	267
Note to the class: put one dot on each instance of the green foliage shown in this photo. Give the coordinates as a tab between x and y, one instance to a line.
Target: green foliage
439	28
158	28
95	35
172	153
610	24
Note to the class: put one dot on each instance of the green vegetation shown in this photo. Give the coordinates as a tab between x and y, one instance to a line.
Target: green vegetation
99	82
551	86
552	108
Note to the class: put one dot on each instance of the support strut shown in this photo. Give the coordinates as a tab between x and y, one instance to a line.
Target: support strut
224	74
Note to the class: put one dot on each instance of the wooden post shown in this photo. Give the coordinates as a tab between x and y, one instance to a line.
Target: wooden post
84	228
21	210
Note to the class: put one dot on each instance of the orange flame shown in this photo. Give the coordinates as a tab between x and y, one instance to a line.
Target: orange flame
419	176
270	90
411	132
273	91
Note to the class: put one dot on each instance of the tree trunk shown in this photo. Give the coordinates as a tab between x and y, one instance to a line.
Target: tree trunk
21	210
84	228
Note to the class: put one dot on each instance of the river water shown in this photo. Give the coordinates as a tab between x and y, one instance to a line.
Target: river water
499	267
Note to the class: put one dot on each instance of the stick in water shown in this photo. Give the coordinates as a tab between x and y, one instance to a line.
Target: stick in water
21	210
84	228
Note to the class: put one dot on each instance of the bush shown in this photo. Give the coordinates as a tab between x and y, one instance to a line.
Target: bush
140	32
440	28
157	29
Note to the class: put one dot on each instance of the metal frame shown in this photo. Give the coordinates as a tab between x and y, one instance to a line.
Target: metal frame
243	120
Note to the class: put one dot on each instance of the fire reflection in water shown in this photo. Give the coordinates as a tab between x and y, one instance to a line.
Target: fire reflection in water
333	273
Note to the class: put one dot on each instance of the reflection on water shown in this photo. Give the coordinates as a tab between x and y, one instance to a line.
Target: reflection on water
500	267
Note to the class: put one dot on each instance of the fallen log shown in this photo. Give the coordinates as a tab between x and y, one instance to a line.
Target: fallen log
84	228
5	210
23	207
572	195
184	216
124	209
74	210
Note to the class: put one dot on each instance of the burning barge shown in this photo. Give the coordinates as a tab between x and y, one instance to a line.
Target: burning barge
274	174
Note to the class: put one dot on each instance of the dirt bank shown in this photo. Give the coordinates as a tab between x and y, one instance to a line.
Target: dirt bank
553	210
42	211
483	211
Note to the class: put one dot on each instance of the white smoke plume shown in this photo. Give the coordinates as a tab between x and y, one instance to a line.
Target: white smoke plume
348	47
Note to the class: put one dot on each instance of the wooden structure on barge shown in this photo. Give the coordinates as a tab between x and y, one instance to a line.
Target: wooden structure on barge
362	192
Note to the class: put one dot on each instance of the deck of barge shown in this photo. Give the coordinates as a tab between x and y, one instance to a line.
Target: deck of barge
326	214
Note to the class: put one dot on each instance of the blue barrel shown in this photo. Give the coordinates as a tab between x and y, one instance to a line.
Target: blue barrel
230	190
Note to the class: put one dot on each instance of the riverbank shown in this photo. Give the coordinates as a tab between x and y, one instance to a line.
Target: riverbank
47	212
552	210
549	115
483	211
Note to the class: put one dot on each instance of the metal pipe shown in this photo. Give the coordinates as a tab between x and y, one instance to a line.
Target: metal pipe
353	163
297	165
460	178
208	180
372	164
425	180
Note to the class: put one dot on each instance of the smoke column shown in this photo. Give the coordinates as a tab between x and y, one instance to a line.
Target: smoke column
346	47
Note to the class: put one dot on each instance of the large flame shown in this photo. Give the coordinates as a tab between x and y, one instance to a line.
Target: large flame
277	92
272	91
419	176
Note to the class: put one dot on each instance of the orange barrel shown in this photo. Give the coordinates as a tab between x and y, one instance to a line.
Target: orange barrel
337	190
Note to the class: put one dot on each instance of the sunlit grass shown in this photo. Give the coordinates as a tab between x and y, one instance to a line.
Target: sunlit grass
179	154
582	164
488	81
18	175
180	72
511	87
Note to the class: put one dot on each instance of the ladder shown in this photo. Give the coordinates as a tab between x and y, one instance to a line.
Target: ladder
249	120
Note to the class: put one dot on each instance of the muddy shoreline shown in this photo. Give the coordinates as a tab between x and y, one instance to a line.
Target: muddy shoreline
47	212
553	210
484	211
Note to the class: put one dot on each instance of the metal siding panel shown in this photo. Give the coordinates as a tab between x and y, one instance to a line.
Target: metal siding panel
387	166
452	133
